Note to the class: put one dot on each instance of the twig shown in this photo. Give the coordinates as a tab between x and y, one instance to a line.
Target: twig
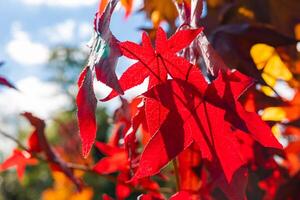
14	139
175	165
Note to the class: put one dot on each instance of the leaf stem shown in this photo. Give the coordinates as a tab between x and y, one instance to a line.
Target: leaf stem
175	165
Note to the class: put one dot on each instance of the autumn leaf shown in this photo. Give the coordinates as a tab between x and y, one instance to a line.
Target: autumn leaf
127	4
189	167
116	161
86	103
155	63
239	39
19	159
212	104
102	5
39	126
63	189
159	11
181	195
38	143
270	64
105	49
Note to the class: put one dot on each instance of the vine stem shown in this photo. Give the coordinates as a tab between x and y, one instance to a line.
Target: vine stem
175	165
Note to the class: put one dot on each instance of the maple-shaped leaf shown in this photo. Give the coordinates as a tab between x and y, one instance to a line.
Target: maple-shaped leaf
155	63
204	114
105	49
86	103
19	159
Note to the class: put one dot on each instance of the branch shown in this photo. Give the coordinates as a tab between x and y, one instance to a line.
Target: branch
14	139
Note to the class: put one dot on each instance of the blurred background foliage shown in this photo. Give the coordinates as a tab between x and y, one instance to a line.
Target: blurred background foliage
66	62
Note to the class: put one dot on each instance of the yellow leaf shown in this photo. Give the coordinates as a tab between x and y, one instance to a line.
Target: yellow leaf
214	3
276	131
271	81
273	114
160	10
267	59
276	68
297	31
246	12
127	4
260	54
64	189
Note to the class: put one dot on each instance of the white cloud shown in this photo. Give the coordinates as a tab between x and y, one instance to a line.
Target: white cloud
41	98
68	31
25	51
61	32
85	30
64	3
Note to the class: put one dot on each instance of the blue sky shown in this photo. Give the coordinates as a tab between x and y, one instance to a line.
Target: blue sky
28	30
41	22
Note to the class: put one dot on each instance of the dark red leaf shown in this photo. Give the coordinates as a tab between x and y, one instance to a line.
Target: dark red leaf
105	49
5	82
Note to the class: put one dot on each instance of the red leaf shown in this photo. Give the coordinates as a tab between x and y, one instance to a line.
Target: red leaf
174	126
189	167
148	197
116	161
205	117
235	189
155	63
122	191
19	159
181	195
106	197
86	103
33	140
